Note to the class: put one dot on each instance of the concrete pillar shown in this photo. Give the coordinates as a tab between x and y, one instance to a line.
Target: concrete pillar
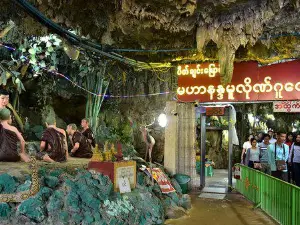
171	137
180	140
187	142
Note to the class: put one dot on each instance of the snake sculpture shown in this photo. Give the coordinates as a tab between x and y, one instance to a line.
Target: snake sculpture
23	195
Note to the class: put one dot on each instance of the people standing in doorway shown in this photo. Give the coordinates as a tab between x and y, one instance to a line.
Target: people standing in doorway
246	146
263	154
252	155
289	142
294	160
272	140
278	154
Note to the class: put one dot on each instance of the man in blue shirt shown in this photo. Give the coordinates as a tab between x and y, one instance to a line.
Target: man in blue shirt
277	154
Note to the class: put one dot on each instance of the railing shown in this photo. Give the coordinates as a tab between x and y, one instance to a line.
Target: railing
278	199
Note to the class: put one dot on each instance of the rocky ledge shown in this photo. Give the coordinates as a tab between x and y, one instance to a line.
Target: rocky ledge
83	197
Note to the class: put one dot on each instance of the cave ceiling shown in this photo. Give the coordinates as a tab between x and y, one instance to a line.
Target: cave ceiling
223	30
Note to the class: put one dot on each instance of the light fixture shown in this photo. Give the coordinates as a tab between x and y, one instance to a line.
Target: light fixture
162	120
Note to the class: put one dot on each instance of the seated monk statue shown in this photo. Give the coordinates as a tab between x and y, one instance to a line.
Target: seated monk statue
54	143
4	103
87	132
81	146
9	138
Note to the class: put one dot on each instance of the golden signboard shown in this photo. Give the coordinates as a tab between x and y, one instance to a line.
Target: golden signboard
125	169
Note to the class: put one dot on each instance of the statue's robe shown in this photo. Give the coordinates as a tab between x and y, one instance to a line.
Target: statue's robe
84	150
55	145
8	145
88	133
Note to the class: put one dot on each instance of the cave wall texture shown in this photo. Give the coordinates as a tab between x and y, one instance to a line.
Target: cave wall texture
224	30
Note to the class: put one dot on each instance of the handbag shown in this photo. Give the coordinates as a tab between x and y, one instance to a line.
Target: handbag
257	166
280	164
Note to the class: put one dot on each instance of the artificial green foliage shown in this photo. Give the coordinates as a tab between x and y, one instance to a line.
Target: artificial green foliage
128	150
40	52
8	71
114	128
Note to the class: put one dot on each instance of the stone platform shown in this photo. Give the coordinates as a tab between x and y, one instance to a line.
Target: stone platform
19	169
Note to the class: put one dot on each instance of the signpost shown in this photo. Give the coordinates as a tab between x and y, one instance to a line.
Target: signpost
120	171
287	106
201	82
125	169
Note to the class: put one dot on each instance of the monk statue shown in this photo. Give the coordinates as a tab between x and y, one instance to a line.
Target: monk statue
81	147
54	143
87	132
9	138
4	103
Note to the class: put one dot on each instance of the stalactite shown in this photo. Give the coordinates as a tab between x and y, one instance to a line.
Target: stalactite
234	28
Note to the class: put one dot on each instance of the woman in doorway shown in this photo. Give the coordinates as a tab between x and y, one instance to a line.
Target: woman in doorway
246	146
289	140
252	155
294	160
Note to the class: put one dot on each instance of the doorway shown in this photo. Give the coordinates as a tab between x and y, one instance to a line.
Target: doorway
215	130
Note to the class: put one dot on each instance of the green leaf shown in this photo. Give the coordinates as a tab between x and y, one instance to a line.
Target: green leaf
82	74
53	56
32	51
56	43
50	49
42	64
32	61
22	86
3	78
15	73
36	68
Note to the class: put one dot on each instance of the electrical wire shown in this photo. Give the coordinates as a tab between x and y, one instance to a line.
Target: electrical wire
83	43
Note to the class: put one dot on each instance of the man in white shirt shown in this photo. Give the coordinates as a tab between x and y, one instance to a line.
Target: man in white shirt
246	146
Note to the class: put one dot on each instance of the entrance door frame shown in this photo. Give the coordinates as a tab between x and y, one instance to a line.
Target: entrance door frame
203	117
